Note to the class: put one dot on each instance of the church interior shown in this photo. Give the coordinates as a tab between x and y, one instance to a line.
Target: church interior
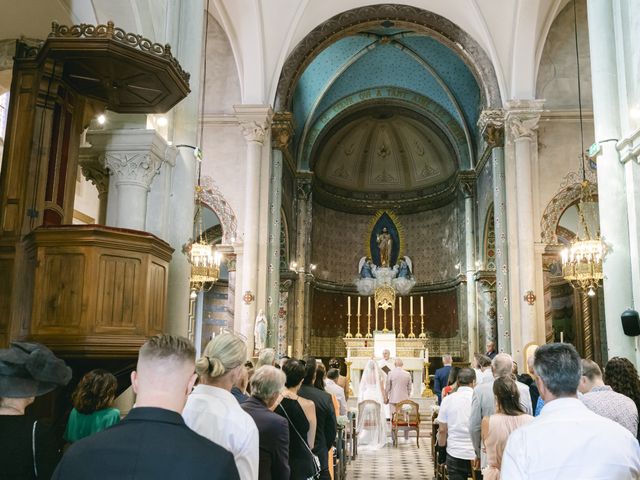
324	179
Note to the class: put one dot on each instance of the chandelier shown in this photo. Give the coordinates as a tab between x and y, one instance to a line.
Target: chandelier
582	260
203	257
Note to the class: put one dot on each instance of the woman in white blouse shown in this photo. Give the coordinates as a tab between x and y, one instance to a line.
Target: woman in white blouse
213	412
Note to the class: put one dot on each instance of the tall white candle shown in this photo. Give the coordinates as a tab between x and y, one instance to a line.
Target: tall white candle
358	306
426	354
369	306
348	305
400	304
289	351
421	305
410	305
561	337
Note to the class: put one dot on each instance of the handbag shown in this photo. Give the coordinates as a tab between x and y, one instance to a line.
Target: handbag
314	457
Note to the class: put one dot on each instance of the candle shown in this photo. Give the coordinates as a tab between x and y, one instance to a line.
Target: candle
348	352
421	305
561	337
400	304
348	305
358	306
410	305
426	354
289	351
369	306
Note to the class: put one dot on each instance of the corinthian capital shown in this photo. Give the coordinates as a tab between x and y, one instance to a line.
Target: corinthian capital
133	167
523	117
254	120
253	131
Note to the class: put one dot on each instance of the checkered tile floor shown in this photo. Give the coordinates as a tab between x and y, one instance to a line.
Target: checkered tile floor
405	462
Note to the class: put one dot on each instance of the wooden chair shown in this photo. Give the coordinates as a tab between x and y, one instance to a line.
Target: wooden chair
407	418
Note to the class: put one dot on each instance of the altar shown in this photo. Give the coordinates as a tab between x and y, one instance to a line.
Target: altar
412	351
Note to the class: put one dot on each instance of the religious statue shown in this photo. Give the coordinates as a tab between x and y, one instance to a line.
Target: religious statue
385	242
404	271
260	332
367	268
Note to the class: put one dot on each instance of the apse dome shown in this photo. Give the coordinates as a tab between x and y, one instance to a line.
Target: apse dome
383	154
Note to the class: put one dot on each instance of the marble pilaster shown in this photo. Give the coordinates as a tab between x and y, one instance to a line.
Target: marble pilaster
301	327
254	121
522	119
491	125
468	190
281	134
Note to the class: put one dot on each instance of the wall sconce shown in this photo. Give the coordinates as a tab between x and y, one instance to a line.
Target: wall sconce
293	266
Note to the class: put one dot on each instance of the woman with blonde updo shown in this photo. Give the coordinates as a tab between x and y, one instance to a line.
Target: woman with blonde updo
213	412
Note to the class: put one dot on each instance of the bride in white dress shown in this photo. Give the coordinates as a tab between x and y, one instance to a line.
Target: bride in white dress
372	424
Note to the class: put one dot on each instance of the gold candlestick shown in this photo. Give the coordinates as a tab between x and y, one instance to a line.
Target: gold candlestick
427	391
393	319
368	334
358	334
400	335
411	334
384	323
376	316
348	335
422	334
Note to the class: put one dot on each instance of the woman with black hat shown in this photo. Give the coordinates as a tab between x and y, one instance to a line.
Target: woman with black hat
28	450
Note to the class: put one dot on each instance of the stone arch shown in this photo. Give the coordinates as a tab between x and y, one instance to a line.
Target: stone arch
211	196
569	194
428	22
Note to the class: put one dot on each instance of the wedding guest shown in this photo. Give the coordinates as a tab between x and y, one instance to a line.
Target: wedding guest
497	427
321	372
601	398
398	386
267	384
239	389
483	373
301	416
568	440
325	415
529	380
491	349
152	442
453	427
342	380
283	360
214	413
267	356
452	382
621	375
483	403
442	377
92	405
336	390
28	447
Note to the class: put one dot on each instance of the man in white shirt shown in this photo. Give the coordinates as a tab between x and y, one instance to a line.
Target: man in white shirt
567	440
453	427
333	388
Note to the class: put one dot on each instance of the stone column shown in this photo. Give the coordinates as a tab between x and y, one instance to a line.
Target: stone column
302	289
133	158
468	190
283	300
491	125
94	171
281	133
612	196
254	122
522	119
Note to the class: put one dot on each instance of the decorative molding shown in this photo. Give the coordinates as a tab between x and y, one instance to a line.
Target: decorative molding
569	194
94	171
358	19
491	126
282	130
211	196
132	167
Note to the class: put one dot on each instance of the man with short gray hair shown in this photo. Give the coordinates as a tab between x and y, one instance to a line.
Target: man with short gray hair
267	384
483	402
567	440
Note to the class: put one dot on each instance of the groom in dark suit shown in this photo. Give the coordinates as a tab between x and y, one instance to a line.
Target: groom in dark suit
442	377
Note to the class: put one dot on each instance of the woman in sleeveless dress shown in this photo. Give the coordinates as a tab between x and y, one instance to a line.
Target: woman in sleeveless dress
301	416
495	429
372	423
